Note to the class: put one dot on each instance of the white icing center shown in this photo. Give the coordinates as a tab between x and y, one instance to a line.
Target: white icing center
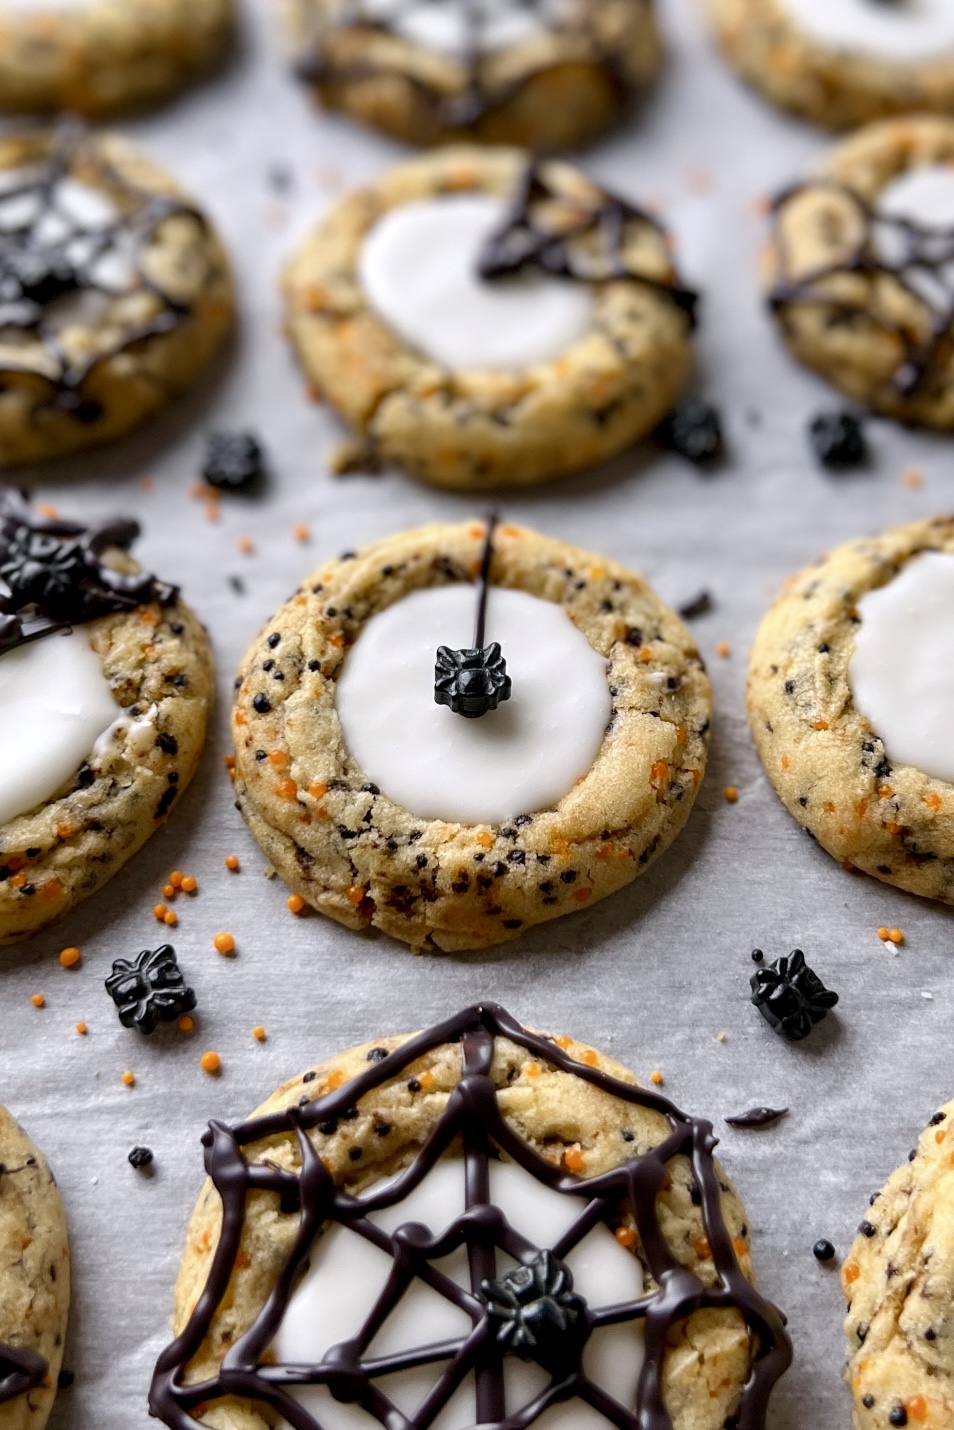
906	31
523	756
418	269
347	1274
923	196
460	28
902	668
54	704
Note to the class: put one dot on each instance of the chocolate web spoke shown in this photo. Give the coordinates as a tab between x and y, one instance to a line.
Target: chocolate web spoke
472	1112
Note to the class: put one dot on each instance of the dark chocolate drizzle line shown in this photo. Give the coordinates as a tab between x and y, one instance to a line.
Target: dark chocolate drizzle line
21	1370
523	242
479	96
927	250
85	589
483	581
473	1115
70	264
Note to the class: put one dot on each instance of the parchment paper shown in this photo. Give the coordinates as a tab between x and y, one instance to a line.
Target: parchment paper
653	975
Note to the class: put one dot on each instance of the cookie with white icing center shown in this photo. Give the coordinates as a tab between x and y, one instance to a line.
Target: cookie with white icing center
859	271
898	1280
105	691
478	1223
483	320
842	63
115	292
850	703
548	74
383	805
34	1281
98	57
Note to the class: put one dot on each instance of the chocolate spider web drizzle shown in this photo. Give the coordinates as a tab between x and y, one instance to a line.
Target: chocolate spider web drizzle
472	1113
928	250
478	97
52	576
26	307
523	242
21	1369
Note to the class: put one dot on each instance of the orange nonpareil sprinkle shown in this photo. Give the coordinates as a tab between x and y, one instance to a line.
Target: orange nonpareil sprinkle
82	1029
38	1000
724	649
159	911
295	903
189	885
259	1034
573	1160
170	918
185	1024
626	1237
224	943
69	957
175	878
246	545
232	863
128	1079
656	1078
169	891
210	1063
730	794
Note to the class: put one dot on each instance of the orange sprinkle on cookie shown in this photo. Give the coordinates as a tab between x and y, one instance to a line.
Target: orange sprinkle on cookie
210	1063
626	1236
70	957
224	943
574	1160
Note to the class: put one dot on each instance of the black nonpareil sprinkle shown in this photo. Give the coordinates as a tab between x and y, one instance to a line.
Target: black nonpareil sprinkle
700	605
234	461
694	430
757	955
823	1251
838	441
150	989
141	1157
790	995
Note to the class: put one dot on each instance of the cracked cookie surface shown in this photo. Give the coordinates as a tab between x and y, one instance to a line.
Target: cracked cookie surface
898	1280
103	56
877	327
34	1270
355	855
573	1124
102	328
549	91
829	767
831	85
476	429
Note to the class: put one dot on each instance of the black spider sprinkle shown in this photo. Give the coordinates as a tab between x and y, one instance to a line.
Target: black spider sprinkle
474	681
694	430
234	461
838	440
536	1315
790	995
150	989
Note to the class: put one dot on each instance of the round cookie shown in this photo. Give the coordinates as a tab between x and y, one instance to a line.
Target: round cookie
95	57
105	689
898	1280
841	63
443	882
594	1190
34	1281
481	319
851	784
115	292
859	274
547	74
